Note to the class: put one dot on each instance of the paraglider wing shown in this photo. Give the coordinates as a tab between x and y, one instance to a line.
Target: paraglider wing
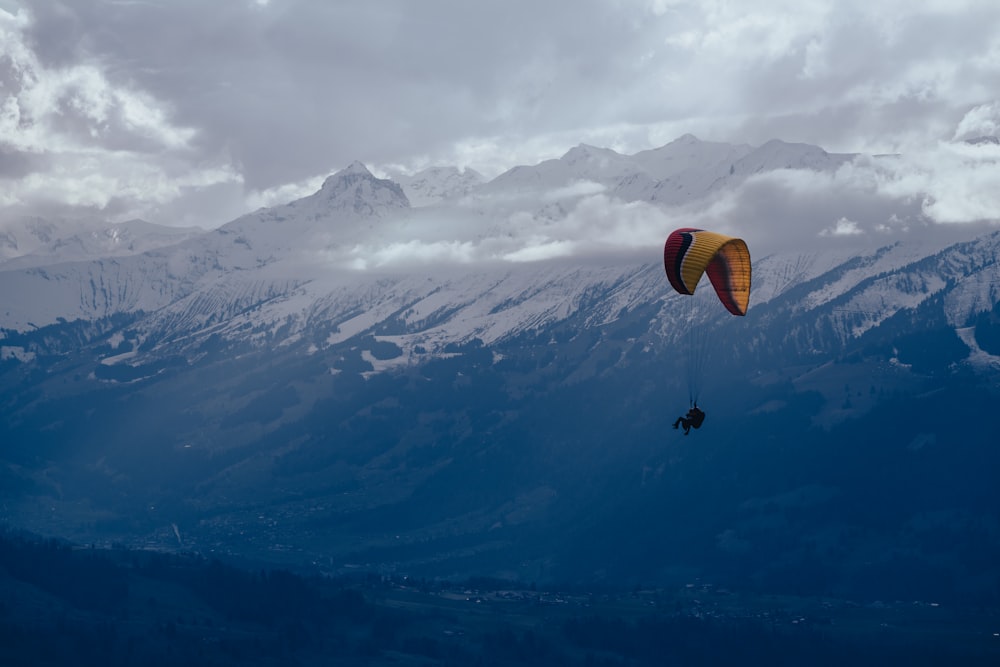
689	253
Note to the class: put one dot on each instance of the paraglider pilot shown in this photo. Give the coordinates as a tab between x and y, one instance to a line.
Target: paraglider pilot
694	417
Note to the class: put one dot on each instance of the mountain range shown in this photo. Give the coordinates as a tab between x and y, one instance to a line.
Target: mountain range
421	375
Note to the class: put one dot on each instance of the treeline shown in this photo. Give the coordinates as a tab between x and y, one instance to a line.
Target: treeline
85	579
65	604
688	640
68	605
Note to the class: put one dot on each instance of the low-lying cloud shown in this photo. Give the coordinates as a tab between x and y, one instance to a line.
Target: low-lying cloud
869	201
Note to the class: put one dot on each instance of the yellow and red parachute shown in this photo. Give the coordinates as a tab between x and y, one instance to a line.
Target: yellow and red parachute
689	253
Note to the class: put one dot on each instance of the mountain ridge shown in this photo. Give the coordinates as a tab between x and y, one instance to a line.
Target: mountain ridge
253	392
272	269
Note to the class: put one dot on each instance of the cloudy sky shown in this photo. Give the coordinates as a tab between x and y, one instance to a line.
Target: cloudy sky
190	112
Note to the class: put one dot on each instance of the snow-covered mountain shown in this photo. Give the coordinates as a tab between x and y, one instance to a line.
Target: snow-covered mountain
33	242
682	171
582	163
24	235
350	381
437	184
291	267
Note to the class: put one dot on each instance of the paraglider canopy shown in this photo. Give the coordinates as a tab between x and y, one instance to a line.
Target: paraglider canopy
689	253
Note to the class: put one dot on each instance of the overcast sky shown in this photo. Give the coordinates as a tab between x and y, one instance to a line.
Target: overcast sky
192	112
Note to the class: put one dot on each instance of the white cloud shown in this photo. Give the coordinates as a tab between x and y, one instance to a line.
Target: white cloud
574	190
842	227
96	145
955	182
541	248
67	109
413	253
982	120
283	194
506	232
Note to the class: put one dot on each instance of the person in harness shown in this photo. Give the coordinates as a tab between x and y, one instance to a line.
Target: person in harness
693	419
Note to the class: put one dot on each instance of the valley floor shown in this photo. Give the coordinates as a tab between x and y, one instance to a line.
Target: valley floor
68	605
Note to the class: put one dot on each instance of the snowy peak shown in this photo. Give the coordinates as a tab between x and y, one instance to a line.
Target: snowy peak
356	191
777	154
437	184
44	243
582	163
679	172
684	169
689	153
342	211
686	144
585	154
24	235
357	167
351	193
772	156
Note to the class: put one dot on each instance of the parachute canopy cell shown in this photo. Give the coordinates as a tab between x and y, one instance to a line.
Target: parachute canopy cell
689	253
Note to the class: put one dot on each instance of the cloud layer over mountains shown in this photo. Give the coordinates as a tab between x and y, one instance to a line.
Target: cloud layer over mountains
182	114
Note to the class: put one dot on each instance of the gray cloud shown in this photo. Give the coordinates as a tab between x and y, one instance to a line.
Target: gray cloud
294	88
16	164
181	110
